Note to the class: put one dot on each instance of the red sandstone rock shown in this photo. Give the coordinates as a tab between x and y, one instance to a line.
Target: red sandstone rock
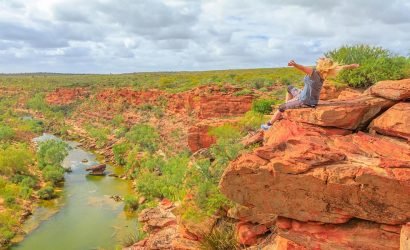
346	114
243	213
248	233
184	244
325	178
207	101
284	130
405	237
355	234
349	94
220	105
64	96
156	218
198	137
196	230
330	91
395	121
253	138
393	90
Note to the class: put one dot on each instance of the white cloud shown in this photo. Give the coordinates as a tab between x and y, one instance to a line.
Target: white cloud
105	36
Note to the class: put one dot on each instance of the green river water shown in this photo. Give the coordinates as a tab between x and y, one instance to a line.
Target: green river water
84	217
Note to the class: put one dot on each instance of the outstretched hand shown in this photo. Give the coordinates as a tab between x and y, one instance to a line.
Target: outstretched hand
291	63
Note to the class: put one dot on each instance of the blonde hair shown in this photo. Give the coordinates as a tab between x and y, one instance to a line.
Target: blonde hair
327	68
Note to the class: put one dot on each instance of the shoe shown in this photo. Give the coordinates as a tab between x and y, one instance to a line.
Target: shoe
266	126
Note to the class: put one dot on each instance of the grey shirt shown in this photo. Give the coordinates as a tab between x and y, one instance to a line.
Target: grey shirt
311	91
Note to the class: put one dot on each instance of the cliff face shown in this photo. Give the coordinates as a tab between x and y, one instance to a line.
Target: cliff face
191	113
331	186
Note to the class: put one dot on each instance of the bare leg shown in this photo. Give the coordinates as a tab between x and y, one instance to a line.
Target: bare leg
275	117
289	96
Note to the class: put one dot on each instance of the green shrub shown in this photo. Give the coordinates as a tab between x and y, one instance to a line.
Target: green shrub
252	120
15	159
5	236
162	178
119	151
28	181
6	133
9	201
34	126
243	92
120	132
24	180
99	134
54	174
46	193
131	203
144	136
37	103
117	120
263	106
25	192
376	64
51	152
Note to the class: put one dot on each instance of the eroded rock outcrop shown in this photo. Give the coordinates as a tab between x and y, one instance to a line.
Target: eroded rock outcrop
164	231
347	114
325	178
355	234
392	90
332	187
394	122
198	137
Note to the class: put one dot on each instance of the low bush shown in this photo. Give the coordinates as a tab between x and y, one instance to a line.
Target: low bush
53	174
24	180
130	203
46	193
120	151
158	178
263	106
145	136
6	133
37	103
99	134
243	92
376	64
252	120
51	153
25	192
15	159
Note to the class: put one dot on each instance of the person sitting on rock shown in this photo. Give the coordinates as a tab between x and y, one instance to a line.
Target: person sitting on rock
313	82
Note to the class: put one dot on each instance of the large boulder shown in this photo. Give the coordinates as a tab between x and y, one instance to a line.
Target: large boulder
329	179
346	114
393	90
356	234
285	129
395	121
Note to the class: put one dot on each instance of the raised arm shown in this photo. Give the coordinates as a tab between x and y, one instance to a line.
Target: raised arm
306	70
350	66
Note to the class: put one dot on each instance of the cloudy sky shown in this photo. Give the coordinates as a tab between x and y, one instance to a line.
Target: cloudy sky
108	36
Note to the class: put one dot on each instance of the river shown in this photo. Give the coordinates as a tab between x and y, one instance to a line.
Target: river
84	217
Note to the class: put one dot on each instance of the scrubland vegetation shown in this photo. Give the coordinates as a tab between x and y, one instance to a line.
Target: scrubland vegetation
27	174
